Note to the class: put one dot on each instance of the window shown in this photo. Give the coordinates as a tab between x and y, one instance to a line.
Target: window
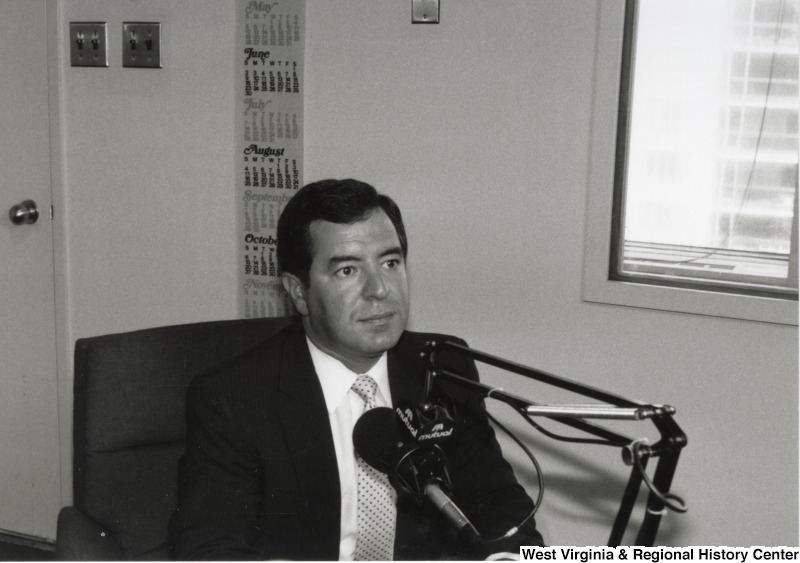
693	176
707	177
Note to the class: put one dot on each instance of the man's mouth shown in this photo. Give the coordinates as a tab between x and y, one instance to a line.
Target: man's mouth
378	317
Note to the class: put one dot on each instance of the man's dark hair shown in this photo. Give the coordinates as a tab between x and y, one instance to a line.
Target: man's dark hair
337	201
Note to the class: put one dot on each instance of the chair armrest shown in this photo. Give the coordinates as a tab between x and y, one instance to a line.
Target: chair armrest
79	538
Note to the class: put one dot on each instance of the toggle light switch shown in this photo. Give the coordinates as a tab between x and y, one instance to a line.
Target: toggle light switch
87	44
141	45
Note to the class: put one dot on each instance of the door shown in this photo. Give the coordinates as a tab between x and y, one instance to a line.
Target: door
30	493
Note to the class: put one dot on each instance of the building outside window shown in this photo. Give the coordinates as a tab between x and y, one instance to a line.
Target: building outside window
707	156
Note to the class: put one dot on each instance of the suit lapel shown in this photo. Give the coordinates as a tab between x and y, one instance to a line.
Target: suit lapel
406	371
304	418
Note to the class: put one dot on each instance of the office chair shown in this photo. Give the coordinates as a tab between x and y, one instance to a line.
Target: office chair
129	430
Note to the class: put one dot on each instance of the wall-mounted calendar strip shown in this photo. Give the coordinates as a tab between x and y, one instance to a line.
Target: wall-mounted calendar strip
270	44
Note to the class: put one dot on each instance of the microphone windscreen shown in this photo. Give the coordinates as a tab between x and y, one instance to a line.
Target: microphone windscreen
377	438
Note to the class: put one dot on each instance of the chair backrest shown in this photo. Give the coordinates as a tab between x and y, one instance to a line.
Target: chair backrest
129	421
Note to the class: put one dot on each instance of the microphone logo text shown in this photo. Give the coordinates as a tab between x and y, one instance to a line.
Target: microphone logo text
407	416
437	431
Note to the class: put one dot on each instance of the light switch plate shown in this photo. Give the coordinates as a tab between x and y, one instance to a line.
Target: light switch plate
141	44
87	44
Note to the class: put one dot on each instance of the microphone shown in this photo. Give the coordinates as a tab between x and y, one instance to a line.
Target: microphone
414	468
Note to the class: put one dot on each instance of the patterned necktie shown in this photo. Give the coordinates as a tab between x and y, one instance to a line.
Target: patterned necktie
376	496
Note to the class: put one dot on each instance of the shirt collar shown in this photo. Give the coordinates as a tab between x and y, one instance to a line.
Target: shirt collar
336	379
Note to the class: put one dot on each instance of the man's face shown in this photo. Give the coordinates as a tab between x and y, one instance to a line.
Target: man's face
355	306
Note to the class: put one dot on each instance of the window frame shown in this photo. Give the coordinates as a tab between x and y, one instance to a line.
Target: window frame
608	131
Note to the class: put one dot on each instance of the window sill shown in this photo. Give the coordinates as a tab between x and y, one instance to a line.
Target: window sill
692	301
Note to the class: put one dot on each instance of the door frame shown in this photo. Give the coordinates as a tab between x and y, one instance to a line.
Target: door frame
57	57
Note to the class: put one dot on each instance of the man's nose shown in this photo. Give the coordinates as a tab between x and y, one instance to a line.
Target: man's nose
375	286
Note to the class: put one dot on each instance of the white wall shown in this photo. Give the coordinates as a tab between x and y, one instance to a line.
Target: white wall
480	128
149	166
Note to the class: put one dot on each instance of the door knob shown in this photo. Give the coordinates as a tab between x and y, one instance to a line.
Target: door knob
25	213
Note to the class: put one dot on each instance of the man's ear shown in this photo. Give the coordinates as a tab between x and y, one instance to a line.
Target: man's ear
297	292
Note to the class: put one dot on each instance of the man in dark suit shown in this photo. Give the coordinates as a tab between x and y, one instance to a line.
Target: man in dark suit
270	470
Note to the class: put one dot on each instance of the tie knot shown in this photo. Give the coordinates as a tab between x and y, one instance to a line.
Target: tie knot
366	387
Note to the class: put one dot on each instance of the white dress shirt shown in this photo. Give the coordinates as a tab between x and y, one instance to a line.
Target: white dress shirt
344	408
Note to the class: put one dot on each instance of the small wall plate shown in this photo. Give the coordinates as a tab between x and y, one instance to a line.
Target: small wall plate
424	11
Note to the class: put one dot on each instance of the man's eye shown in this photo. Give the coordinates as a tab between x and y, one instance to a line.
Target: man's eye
345	272
393	263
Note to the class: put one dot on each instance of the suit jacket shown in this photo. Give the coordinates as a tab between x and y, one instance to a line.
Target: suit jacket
259	478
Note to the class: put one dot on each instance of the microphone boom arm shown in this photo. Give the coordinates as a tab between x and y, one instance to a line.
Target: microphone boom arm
635	452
